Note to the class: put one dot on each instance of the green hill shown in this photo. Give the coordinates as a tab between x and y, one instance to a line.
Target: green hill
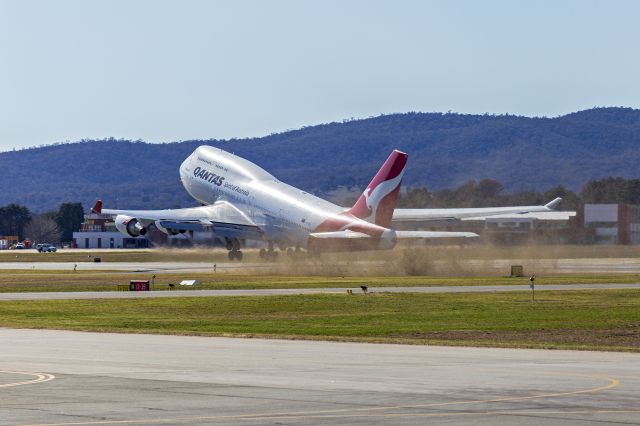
445	150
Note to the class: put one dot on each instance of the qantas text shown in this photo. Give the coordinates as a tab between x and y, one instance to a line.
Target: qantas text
201	173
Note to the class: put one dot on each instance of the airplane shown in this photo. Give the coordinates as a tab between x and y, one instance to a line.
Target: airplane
241	201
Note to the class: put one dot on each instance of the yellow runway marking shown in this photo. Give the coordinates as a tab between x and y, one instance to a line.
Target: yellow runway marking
368	412
39	378
178	420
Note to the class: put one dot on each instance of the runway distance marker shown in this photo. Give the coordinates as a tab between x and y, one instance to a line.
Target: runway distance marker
40	378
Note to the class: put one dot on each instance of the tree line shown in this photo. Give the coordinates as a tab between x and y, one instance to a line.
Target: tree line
59	225
51	227
490	192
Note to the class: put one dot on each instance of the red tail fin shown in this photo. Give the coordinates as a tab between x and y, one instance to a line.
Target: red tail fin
378	201
97	207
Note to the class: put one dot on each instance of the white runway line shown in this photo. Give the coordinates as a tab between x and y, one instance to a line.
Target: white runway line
78	295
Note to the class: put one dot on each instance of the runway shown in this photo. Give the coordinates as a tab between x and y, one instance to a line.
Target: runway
133	266
77	295
561	266
74	378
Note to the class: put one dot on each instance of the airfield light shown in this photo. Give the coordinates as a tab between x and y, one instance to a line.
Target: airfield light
533	287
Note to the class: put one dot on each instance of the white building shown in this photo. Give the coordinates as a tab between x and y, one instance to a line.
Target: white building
98	231
613	223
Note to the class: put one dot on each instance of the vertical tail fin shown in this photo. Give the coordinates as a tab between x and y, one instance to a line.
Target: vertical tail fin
97	207
378	201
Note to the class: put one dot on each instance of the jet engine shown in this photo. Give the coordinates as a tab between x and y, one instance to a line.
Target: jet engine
130	226
388	239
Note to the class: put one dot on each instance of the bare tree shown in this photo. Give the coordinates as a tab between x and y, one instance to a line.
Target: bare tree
43	228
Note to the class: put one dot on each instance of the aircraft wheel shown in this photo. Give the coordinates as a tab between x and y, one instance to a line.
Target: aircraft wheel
232	255
290	252
263	254
239	255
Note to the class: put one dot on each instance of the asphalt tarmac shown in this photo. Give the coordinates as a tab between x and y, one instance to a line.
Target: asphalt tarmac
133	266
76	295
75	378
587	265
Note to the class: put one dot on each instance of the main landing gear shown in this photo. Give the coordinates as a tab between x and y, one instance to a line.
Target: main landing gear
296	254
271	255
233	245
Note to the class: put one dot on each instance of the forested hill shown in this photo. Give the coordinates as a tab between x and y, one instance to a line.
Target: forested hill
445	150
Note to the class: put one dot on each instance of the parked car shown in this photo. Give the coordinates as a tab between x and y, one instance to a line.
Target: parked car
46	248
19	246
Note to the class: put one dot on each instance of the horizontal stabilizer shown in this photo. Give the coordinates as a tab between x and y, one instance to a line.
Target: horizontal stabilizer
343	235
402	235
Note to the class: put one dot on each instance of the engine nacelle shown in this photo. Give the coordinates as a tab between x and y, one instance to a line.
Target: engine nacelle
388	239
129	225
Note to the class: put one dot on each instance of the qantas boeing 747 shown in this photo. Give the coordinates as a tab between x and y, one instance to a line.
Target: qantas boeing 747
241	201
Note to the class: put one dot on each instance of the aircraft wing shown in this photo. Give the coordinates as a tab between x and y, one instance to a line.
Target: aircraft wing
222	217
408	215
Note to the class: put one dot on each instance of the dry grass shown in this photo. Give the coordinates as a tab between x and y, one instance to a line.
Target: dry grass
44	280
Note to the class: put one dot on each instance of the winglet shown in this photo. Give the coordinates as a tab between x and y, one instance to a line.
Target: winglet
551	205
97	207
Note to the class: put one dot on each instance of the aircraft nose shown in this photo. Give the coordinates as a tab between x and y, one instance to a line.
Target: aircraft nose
185	168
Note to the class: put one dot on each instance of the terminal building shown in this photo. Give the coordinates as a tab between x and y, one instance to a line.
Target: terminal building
99	231
7	241
612	223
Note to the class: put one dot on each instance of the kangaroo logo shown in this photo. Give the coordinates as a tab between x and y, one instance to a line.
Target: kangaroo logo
374	196
377	202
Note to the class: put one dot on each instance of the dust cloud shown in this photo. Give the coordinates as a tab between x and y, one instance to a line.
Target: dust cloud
408	260
437	260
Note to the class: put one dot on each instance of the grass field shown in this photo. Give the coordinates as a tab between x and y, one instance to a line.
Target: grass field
41	280
603	320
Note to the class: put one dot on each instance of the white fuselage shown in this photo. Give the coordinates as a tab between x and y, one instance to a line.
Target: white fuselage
285	213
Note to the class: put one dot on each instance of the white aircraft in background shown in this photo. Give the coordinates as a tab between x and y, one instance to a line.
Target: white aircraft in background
241	201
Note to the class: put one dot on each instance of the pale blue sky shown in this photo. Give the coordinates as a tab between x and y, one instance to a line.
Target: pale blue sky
177	70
